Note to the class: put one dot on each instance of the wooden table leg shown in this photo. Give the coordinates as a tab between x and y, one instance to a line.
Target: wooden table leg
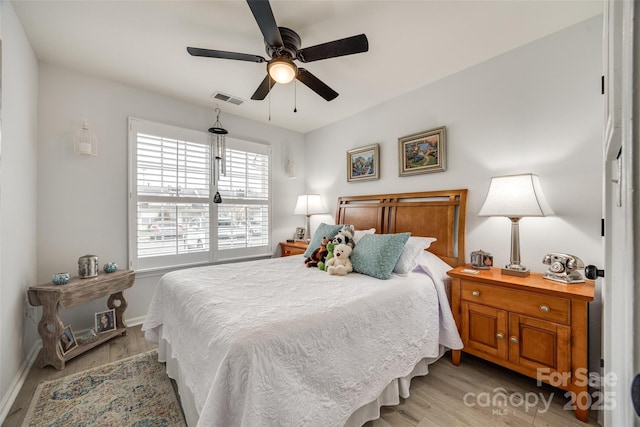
50	329
118	302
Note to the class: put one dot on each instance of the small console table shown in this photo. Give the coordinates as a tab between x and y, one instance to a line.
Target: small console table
77	291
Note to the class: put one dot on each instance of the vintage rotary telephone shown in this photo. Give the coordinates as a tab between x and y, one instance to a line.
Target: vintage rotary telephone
563	268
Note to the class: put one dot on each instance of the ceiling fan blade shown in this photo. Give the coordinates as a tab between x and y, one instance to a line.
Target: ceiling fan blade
209	53
342	47
264	88
316	85
263	14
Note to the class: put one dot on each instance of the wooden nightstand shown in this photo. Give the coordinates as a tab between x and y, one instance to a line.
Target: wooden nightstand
293	248
531	325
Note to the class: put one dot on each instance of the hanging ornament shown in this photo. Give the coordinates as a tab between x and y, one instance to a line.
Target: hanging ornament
219	156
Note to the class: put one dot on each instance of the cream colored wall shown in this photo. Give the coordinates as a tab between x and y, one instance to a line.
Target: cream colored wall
91	192
535	109
18	170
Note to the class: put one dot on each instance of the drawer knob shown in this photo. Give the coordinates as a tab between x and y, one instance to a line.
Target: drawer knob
475	293
499	336
544	308
514	339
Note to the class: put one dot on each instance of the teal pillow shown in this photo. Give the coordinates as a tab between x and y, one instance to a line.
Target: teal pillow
324	230
377	254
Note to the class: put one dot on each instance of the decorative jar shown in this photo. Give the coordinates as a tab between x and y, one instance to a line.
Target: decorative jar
88	266
110	267
60	278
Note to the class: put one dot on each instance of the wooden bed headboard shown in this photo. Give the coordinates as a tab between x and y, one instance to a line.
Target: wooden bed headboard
439	214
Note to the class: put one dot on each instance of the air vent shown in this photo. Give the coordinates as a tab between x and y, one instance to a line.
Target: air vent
227	98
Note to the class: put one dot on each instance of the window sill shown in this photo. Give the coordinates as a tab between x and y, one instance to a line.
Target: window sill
156	272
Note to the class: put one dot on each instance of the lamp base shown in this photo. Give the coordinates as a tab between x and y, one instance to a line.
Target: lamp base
520	271
572	277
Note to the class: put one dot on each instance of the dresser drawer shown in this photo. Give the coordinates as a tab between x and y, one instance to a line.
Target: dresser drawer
532	304
292	250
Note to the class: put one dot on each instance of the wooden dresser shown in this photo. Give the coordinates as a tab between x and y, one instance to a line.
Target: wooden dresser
532	325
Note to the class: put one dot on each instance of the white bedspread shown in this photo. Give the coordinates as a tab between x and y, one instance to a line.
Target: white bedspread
273	343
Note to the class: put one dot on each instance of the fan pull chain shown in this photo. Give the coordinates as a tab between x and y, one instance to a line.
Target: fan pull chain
269	87
295	96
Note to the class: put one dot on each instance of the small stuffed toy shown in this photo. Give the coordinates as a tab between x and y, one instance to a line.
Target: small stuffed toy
319	254
322	265
340	264
345	236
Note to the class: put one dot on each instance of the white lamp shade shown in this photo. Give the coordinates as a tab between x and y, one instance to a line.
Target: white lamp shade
309	204
515	196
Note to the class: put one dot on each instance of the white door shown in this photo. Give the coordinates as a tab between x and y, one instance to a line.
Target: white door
620	352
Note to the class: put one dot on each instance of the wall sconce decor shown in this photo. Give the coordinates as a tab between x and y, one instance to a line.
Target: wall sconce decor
515	196
290	168
85	142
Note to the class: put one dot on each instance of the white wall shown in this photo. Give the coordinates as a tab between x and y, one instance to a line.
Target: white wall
17	198
82	201
535	109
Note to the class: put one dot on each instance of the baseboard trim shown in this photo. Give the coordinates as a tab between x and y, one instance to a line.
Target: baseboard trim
135	321
18	381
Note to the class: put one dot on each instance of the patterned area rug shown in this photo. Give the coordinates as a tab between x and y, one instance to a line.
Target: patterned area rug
131	392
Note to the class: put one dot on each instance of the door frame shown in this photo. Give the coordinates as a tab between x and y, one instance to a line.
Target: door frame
620	204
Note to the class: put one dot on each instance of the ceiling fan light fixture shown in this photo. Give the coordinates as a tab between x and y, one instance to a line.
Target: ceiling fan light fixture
282	70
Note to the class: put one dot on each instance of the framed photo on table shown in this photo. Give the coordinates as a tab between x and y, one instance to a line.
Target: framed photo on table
300	232
105	321
67	340
422	152
363	163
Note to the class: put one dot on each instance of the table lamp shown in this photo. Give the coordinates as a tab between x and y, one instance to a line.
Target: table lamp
309	204
515	196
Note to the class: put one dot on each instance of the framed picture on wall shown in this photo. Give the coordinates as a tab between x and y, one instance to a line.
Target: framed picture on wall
422	152
363	163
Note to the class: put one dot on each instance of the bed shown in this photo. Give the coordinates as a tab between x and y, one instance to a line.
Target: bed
274	343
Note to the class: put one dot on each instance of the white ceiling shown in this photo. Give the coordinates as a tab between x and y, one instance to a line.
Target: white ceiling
411	43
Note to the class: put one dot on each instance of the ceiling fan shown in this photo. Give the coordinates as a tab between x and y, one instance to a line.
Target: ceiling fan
283	47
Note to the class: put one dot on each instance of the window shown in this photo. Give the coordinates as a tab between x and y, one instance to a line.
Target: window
243	215
172	219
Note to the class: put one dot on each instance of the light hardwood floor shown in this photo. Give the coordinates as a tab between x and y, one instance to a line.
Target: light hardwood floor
462	395
117	348
437	399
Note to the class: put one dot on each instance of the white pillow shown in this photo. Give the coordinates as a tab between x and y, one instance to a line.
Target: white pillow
435	267
409	257
357	235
